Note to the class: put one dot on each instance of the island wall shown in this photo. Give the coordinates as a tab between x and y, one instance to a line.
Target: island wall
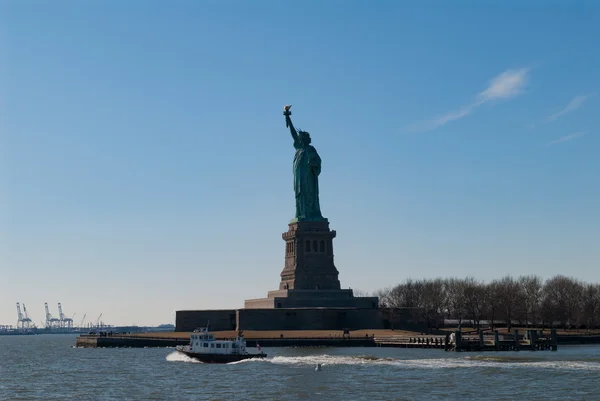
299	319
219	319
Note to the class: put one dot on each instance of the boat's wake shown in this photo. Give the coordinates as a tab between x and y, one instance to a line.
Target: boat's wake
440	363
325	360
521	358
179	357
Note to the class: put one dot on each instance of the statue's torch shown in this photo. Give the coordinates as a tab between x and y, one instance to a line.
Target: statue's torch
287	113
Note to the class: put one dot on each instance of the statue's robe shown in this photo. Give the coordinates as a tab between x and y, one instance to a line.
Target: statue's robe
307	167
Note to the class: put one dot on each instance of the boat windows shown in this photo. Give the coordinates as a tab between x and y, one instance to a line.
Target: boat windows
206	345
212	345
218	345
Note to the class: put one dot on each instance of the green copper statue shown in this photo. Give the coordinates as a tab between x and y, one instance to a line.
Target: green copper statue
307	167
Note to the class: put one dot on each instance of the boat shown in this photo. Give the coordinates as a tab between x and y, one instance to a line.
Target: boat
204	347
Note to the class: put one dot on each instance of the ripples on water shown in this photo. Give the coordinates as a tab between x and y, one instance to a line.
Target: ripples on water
47	367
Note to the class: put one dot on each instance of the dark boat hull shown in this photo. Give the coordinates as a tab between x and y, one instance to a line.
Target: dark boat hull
221	358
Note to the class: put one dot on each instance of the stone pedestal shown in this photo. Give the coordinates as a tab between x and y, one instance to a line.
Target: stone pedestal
312	299
309	278
309	257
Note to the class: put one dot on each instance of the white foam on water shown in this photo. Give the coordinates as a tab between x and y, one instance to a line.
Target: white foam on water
468	363
515	361
179	357
564	365
249	360
325	360
441	363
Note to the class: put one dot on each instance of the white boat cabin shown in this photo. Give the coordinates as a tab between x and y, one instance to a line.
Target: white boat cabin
204	343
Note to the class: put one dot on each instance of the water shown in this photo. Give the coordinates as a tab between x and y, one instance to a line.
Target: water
47	367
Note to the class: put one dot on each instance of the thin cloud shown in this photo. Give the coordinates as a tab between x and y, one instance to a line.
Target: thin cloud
573	105
567	138
504	86
443	119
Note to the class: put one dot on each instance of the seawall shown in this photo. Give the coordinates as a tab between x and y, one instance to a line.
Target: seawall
126	341
277	339
299	319
117	341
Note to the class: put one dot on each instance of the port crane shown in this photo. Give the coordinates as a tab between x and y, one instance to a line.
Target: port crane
98	321
19	316
51	322
26	319
23	322
64	322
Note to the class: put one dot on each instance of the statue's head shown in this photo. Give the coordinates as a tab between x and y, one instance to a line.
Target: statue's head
305	137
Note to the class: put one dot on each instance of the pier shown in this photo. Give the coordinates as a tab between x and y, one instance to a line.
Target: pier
531	340
411	342
474	341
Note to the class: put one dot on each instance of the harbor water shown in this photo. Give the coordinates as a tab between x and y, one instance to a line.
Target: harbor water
48	367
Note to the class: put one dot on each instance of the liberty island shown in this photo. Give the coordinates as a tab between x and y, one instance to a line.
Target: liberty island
310	296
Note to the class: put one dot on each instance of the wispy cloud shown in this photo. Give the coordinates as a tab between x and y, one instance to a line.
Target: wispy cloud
504	86
573	105
567	138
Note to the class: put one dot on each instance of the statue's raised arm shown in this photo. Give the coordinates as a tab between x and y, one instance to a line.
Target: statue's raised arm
288	123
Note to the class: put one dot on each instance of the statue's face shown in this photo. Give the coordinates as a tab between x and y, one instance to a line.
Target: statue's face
306	138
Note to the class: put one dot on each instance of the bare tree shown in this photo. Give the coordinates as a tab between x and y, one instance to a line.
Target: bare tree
591	305
510	298
474	296
563	300
433	300
575	304
397	296
389	300
385	298
413	293
360	293
532	297
492	302
455	298
528	300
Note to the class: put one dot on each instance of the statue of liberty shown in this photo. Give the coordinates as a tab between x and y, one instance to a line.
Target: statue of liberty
307	167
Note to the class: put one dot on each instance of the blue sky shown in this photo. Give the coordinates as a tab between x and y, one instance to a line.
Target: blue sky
146	167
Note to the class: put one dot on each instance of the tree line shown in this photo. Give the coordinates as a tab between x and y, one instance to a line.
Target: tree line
528	301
